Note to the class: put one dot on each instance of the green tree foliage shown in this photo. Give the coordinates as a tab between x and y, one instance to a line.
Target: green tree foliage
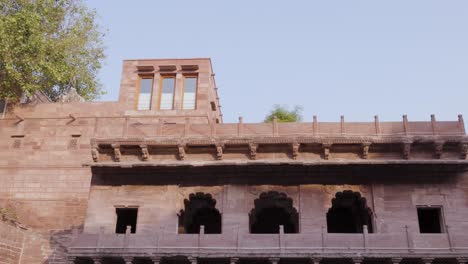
284	114
49	46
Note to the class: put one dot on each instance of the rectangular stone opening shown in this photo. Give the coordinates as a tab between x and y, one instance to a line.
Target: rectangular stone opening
430	220
126	217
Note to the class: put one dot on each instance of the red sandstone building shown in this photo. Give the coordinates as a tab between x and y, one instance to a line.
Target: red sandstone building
157	177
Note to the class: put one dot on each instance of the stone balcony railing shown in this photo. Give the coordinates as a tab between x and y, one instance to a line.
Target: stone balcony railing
405	244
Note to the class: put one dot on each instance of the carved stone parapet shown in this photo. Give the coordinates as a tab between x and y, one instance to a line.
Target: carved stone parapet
181	148
144	152
326	150
295	150
219	151
464	150
253	151
438	149
365	150
406	150
117	153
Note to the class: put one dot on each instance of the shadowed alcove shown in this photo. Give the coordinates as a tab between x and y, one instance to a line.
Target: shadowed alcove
200	210
348	214
271	210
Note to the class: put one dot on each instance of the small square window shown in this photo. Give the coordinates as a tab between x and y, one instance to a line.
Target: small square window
126	217
430	220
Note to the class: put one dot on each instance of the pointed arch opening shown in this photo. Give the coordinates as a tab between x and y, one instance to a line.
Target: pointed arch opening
349	213
271	210
200	210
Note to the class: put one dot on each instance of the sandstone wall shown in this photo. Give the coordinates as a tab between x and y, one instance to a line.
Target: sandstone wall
394	205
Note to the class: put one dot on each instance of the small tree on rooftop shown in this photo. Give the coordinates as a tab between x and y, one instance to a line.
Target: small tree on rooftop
283	114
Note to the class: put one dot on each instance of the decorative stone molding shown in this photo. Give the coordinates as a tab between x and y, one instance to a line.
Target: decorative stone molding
117	153
253	151
295	150
365	150
144	152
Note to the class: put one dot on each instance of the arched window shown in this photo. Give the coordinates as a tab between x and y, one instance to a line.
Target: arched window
271	210
200	210
348	214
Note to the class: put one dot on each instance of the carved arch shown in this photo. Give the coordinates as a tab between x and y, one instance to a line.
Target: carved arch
200	209
349	213
271	210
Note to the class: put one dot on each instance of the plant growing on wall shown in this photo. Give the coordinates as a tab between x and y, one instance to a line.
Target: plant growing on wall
283	114
49	46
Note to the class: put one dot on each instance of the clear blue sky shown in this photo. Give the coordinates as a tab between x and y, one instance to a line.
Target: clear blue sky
356	58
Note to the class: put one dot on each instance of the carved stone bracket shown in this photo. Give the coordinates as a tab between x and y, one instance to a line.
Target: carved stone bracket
219	151
253	150
427	260
464	150
365	150
144	152
438	149
181	148
117	153
95	153
326	150
406	150
295	150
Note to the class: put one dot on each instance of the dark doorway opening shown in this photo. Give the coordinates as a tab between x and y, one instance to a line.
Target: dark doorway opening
429	220
349	213
126	217
200	210
271	210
